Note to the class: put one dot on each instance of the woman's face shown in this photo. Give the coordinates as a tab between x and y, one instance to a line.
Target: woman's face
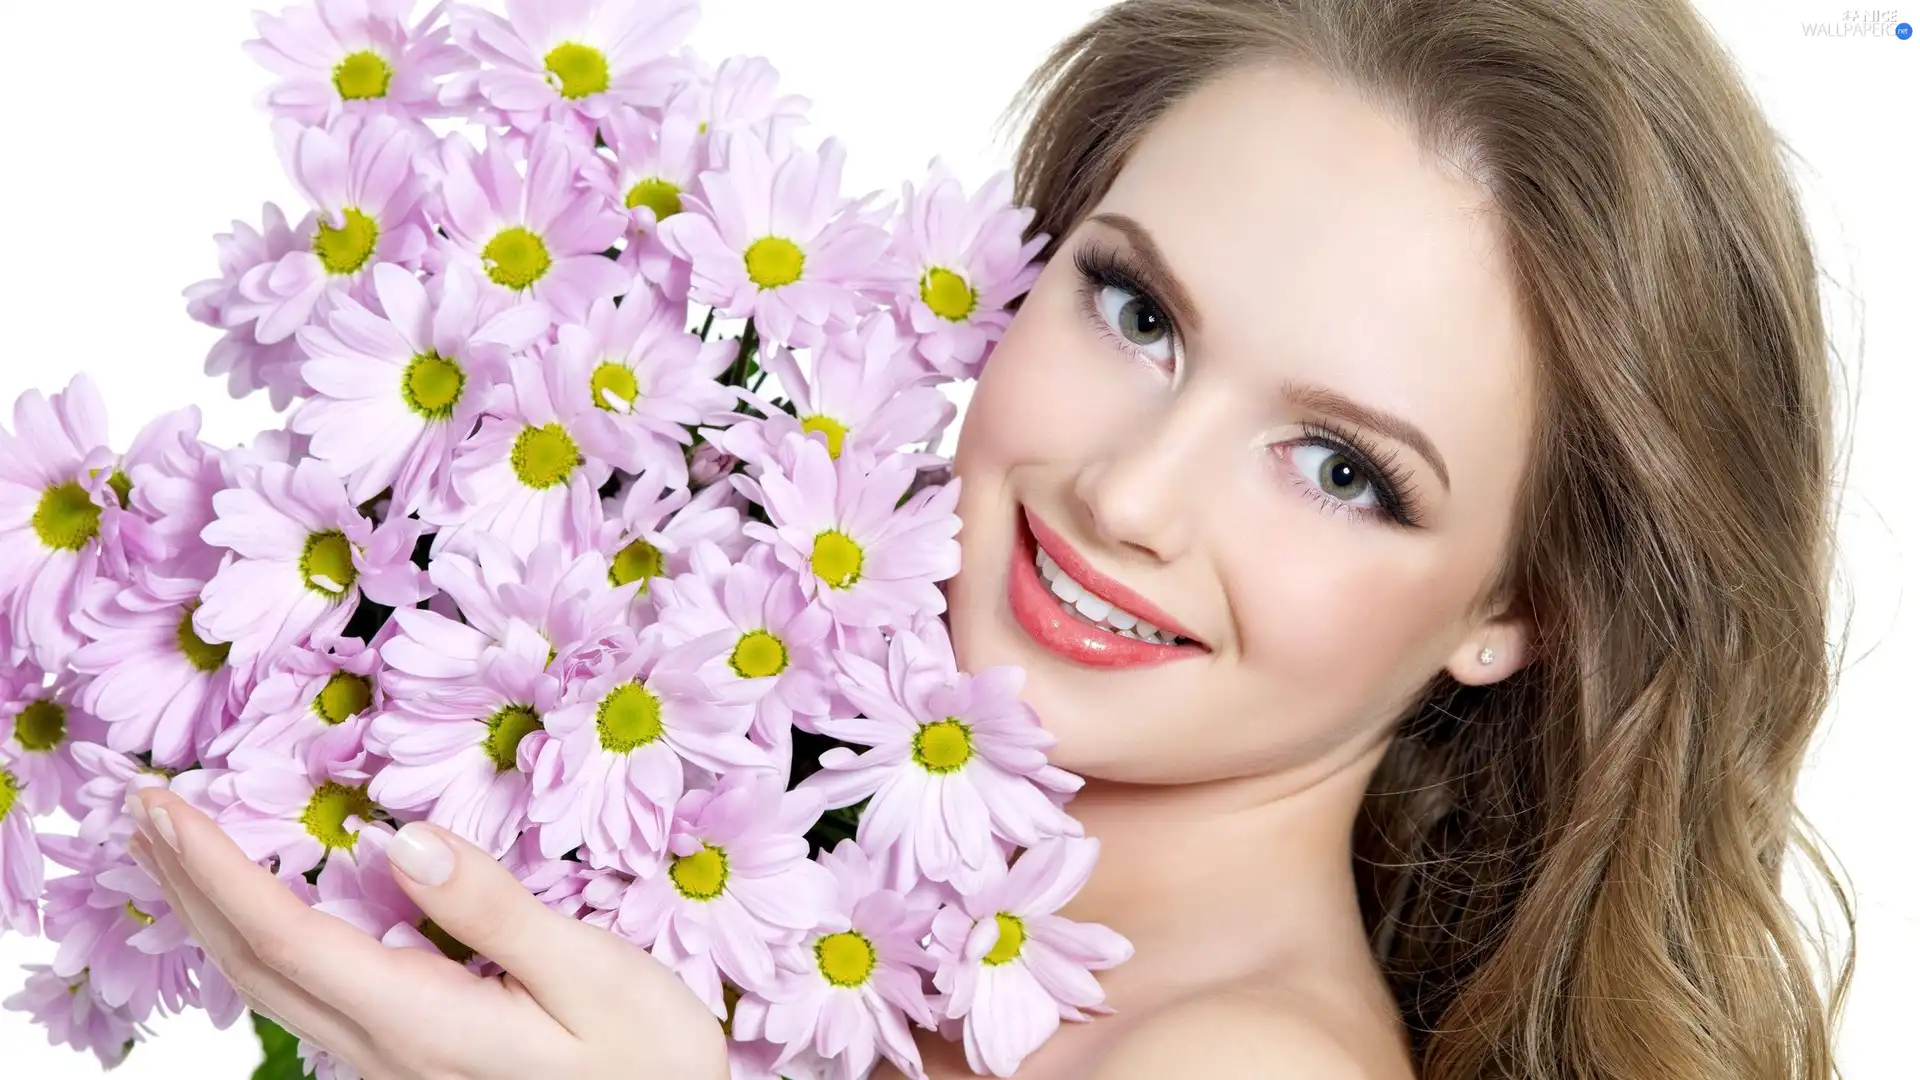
1272	396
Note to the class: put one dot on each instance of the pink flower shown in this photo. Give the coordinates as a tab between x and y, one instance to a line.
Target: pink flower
249	362
360	890
542	235
957	763
857	979
74	1016
1011	967
639	380
742	94
302	558
859	551
611	764
354	57
39	726
395	393
774	241
102	796
656	161
964	262
293	810
54	493
656	527
22	875
549	59
314	706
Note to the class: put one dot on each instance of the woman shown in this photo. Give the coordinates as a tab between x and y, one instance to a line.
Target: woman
1443	381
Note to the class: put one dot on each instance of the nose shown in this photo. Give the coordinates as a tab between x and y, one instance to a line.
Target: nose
1148	492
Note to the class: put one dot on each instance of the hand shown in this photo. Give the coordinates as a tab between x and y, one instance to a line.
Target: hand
576	1002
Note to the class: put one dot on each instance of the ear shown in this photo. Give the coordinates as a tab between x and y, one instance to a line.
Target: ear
1509	636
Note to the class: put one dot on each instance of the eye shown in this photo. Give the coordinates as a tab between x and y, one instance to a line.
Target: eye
1338	475
1139	324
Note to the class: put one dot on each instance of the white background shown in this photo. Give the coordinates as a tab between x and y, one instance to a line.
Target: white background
131	137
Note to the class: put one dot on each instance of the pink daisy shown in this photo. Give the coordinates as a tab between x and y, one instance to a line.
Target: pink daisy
39	727
742	94
957	762
248	362
314	706
74	1016
860	551
640	380
22	876
107	774
550	59
610	766
538	234
168	445
964	261
295	811
1014	969
361	891
302	558
774	241
353	56
395	393
655	527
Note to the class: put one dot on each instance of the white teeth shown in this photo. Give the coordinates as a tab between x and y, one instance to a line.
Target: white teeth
1095	610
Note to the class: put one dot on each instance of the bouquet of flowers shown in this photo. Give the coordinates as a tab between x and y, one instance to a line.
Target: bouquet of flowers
603	529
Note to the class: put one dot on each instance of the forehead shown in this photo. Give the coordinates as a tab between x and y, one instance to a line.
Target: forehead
1320	241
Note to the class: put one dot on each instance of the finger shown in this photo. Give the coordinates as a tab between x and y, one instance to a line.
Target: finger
585	977
264	990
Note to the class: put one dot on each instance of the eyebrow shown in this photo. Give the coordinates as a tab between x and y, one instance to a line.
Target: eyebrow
1169	290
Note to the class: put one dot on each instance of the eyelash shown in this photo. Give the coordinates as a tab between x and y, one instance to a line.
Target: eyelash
1101	268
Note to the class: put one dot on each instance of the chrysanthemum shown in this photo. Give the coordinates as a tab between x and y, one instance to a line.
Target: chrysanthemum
291	809
353	56
456	751
861	398
655	527
39	726
857	980
533	232
551	58
739	882
964	261
610	766
774	241
656	160
640	380
166	447
160	687
248	362
303	557
360	889
859	551
1011	967
314	706
395	393
74	1016
359	175
531	475
957	761
55	487
742	94
103	793
22	873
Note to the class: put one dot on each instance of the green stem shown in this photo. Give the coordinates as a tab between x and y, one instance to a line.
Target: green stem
708	325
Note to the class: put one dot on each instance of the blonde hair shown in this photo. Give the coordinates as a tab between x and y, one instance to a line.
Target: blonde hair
1578	871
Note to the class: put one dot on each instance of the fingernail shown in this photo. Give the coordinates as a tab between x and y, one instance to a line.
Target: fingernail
163	825
135	808
420	855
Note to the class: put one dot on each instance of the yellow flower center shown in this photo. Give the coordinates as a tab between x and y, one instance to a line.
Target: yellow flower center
432	385
326	565
345	695
545	456
701	875
660	196
613	381
346	249
1013	934
577	70
948	294
362	76
9	792
836	559
637	561
629	718
505	728
943	747
834	430
773	261
67	518
758	654
204	656
516	257
325	817
122	487
450	947
139	916
846	958
41	726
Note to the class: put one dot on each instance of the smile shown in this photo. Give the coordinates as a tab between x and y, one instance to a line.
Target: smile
1083	615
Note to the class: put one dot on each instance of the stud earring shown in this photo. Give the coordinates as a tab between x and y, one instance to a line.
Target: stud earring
1486	654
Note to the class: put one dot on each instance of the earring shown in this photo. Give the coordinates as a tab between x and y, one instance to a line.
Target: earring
1486	654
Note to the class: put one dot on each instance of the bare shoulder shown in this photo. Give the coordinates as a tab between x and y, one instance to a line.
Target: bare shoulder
1244	1036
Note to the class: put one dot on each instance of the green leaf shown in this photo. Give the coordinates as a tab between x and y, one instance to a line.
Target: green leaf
281	1050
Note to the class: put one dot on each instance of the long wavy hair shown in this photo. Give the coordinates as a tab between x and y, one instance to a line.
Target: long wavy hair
1580	871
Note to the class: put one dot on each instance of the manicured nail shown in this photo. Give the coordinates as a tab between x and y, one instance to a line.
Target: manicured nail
163	825
420	855
135	808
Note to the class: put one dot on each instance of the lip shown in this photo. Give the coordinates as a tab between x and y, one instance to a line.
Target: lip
1046	619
